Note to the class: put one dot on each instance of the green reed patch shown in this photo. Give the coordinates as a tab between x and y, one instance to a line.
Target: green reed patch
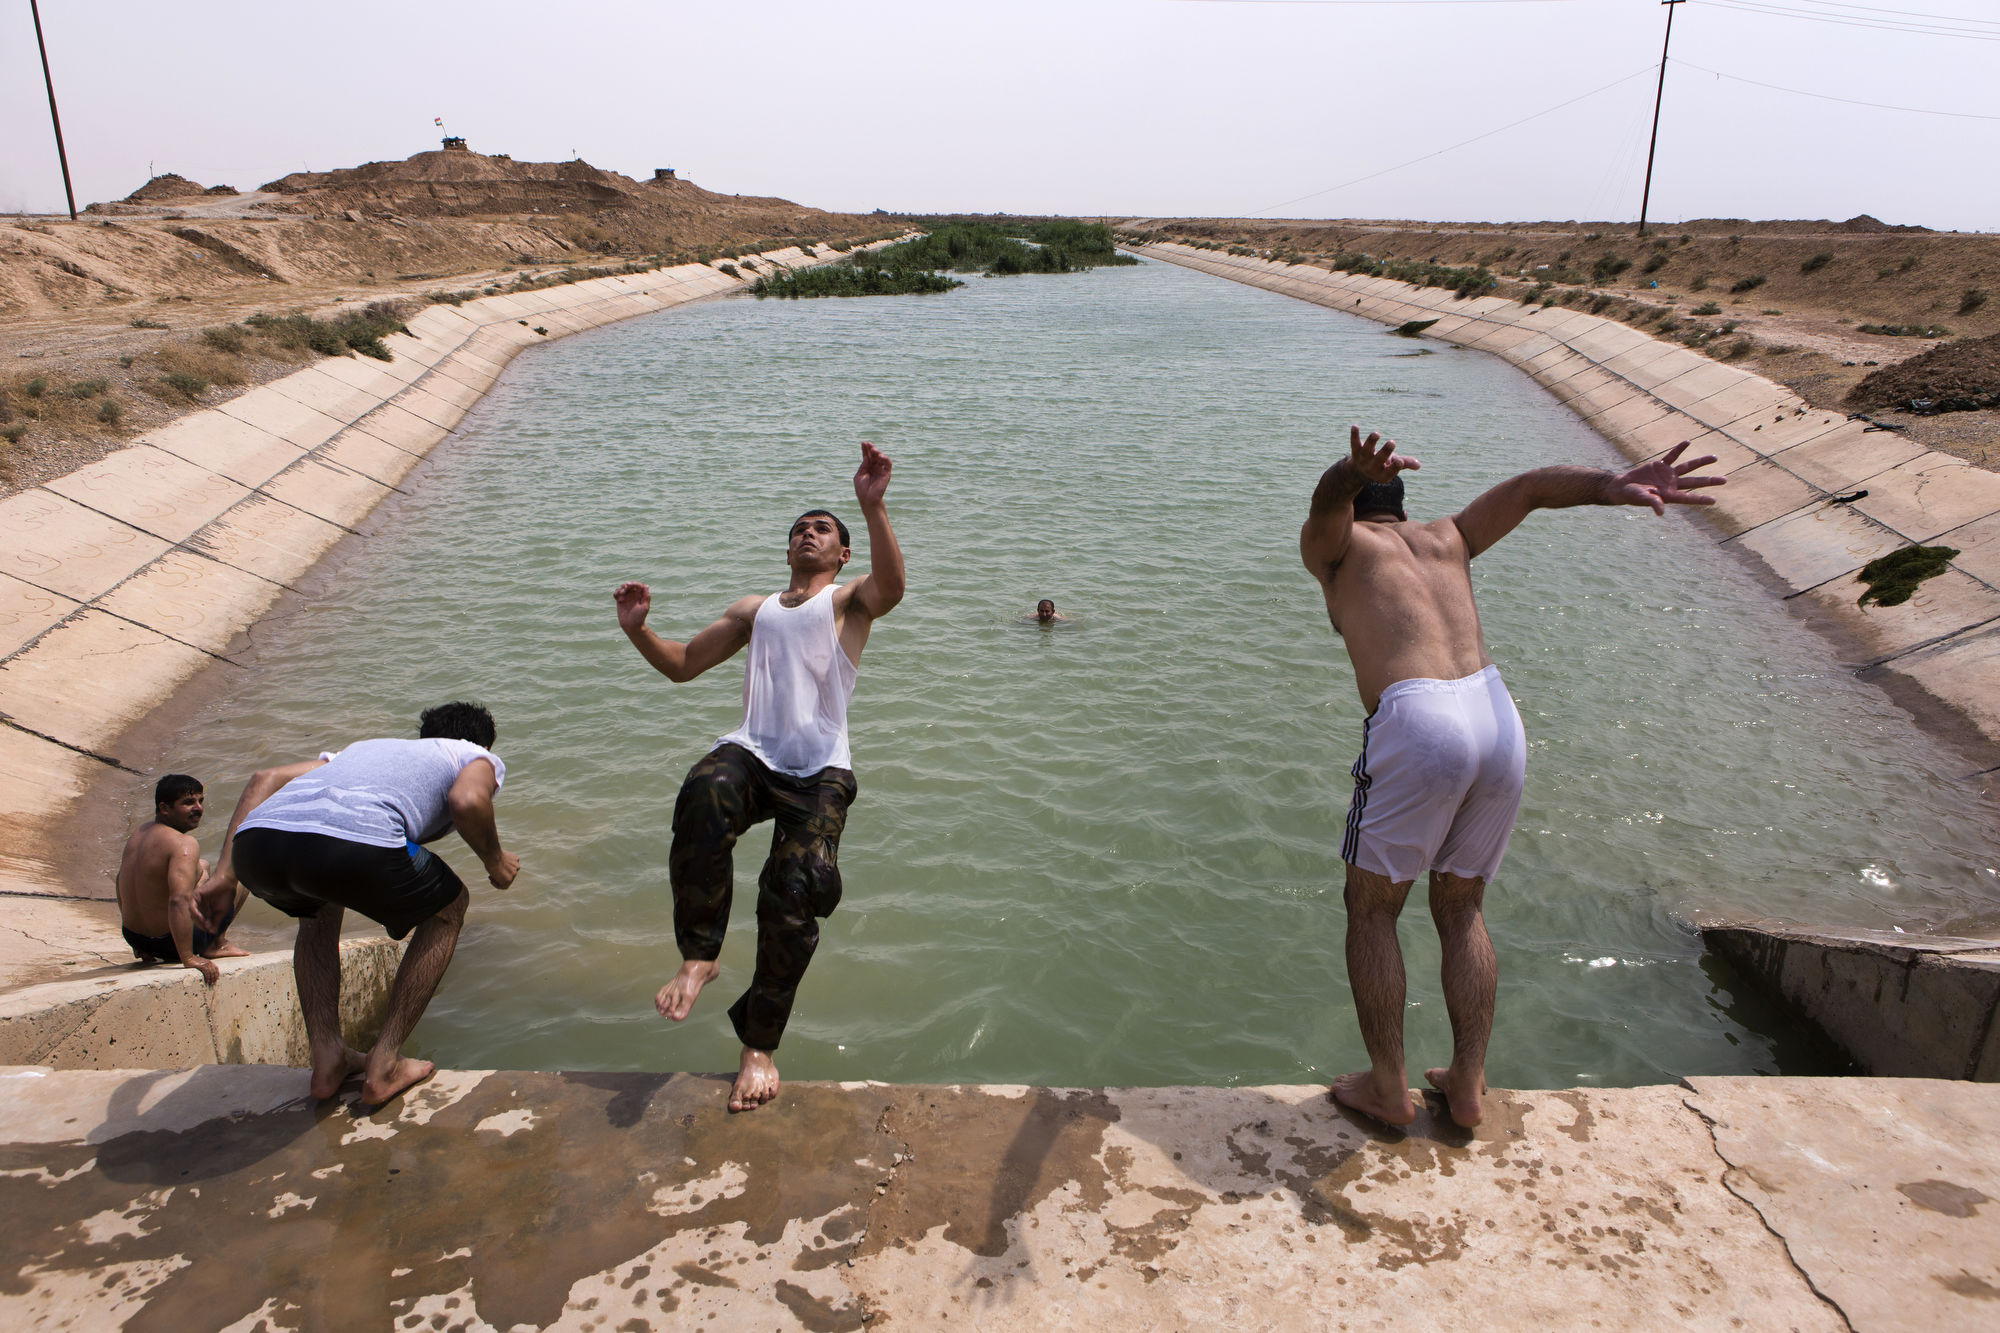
1893	578
844	279
356	331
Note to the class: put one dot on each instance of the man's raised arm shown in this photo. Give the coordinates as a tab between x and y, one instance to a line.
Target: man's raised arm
682	662
1655	485
1330	520
881	587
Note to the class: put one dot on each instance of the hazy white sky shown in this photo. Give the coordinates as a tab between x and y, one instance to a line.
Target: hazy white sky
1172	107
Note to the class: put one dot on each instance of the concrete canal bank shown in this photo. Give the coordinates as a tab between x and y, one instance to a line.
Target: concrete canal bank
220	1198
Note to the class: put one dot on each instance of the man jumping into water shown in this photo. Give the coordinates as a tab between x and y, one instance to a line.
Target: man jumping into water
1438	782
788	763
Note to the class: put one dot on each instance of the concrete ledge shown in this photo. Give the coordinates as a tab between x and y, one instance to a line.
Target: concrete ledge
164	1017
222	1197
1915	1006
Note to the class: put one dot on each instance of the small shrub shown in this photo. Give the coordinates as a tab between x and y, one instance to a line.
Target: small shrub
226	338
1749	284
1708	308
1973	299
1909	262
1657	262
1816	263
1668	325
88	388
1906	330
204	363
1738	349
143	323
124	363
730	269
12	434
1607	267
1699	283
184	383
1882	273
36	387
110	412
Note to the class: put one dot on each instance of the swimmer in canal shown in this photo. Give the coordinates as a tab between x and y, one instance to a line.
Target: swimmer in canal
788	763
1438	783
1045	613
165	919
344	830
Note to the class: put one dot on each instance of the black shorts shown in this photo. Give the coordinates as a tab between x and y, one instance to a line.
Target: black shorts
162	949
299	873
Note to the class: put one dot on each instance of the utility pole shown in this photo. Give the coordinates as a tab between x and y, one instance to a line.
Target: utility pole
1658	93
49	79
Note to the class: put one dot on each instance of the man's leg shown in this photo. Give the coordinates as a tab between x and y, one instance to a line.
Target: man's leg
425	958
316	969
1375	972
800	884
1471	978
724	794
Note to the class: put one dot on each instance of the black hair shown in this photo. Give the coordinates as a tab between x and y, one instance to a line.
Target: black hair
1045	602
457	721
1381	497
838	526
174	786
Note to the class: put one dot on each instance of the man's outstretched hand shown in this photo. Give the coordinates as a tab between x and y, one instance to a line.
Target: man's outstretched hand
871	479
634	601
1663	482
1373	462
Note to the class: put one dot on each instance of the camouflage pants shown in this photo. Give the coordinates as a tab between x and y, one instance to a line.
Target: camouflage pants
725	793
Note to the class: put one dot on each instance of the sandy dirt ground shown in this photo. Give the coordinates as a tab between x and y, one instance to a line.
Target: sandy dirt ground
102	309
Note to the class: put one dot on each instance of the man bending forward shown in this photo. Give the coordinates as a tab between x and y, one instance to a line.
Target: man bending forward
1438	782
788	763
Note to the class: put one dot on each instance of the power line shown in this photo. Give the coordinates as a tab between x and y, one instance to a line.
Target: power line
1461	144
1844	21
1904	13
1828	97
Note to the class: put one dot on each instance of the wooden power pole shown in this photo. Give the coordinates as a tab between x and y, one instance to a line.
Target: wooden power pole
1658	93
62	154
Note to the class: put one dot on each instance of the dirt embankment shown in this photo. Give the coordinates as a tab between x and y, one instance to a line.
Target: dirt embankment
111	307
1802	302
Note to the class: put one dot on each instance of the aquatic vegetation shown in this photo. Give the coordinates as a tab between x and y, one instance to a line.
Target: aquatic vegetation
1413	328
1894	577
844	279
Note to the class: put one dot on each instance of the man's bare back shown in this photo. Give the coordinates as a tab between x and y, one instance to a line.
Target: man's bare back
159	876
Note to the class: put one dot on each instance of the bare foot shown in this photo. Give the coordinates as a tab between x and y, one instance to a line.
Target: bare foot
224	949
1465	1108
328	1075
398	1078
677	996
1358	1092
756	1081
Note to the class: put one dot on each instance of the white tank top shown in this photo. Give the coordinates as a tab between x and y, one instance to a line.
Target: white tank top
795	688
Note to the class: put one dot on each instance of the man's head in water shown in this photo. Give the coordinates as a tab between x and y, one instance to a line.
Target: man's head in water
1045	610
1381	502
818	541
177	802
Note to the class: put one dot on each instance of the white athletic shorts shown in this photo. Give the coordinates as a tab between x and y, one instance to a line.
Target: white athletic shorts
1438	783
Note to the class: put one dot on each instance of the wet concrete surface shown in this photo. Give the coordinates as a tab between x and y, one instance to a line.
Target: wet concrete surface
223	1198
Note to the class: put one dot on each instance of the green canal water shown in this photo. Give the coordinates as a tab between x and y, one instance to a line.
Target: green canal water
1104	852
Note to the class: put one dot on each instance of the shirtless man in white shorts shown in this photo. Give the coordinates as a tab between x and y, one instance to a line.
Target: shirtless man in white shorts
1438	782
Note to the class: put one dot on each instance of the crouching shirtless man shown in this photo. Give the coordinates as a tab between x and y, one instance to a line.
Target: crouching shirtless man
1438	782
788	763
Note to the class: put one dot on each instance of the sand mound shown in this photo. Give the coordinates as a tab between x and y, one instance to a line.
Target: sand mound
1956	376
457	183
169	186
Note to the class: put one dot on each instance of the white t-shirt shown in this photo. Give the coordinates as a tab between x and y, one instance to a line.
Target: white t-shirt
383	793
